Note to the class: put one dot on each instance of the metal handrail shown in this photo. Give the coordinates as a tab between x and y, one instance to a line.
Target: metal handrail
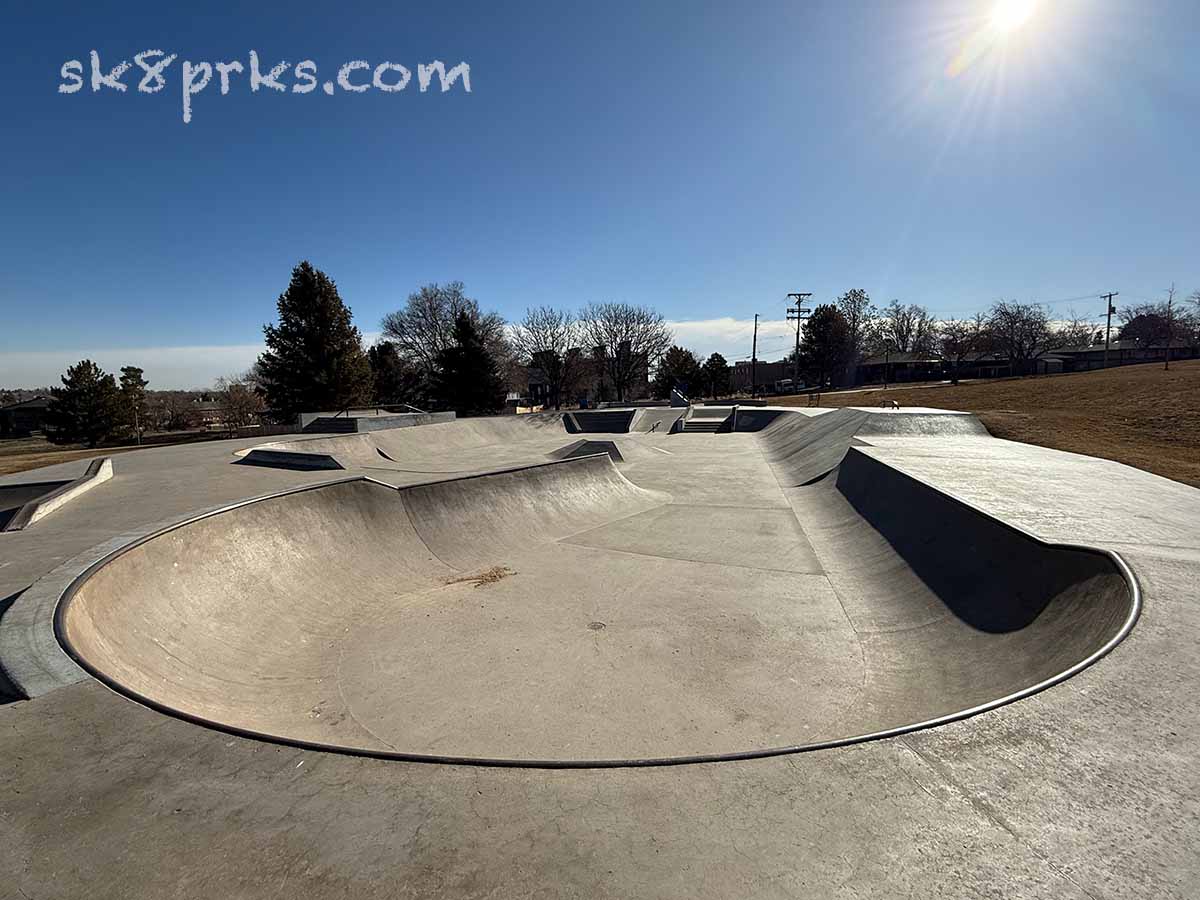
386	407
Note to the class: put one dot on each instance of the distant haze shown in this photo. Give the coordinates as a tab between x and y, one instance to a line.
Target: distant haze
184	368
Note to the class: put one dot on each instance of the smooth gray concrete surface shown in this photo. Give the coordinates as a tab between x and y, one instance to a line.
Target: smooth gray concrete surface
1083	790
334	615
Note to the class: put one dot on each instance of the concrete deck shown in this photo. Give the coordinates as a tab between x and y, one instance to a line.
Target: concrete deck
710	594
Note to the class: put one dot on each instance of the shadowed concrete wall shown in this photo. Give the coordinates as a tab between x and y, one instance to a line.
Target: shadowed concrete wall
953	608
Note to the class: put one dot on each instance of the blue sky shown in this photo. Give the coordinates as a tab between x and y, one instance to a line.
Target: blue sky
703	157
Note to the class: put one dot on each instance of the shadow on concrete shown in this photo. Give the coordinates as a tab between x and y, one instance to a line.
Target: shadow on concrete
9	692
15	496
992	576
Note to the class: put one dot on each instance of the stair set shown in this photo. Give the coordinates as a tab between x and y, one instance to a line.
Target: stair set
716	421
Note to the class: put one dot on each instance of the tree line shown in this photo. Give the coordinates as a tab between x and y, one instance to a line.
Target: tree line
842	334
93	406
441	350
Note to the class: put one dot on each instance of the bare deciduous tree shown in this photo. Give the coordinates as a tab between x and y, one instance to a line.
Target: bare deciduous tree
424	328
1024	333
1149	324
241	405
549	339
171	411
624	339
1077	331
855	306
961	340
908	329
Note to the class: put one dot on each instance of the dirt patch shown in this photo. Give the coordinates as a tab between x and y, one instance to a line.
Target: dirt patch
1142	416
491	576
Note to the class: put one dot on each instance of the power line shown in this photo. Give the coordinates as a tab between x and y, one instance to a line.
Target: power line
1078	299
1069	299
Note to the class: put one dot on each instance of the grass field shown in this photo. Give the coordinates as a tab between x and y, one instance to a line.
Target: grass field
32	453
1138	415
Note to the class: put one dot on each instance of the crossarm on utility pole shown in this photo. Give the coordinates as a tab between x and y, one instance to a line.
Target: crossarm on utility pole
797	314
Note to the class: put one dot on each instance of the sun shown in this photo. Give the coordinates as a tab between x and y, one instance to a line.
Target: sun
1009	15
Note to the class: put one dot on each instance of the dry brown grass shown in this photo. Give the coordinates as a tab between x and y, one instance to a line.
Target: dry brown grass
32	453
1139	415
491	576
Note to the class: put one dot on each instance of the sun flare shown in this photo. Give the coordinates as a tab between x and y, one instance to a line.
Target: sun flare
1009	15
993	33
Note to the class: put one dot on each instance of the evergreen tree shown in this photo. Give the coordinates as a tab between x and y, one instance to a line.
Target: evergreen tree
825	344
314	360
679	368
133	400
86	409
468	376
395	379
716	375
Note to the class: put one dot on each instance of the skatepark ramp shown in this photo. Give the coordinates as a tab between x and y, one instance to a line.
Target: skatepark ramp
577	449
661	421
802	448
600	421
562	615
380	449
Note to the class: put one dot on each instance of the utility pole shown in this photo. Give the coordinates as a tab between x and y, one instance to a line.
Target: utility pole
1170	303
1108	298
754	359
797	313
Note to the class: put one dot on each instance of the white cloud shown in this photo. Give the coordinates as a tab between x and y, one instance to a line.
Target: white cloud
733	338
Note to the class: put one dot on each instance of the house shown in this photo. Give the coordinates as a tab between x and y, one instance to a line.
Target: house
209	414
1121	353
591	388
24	417
762	374
899	367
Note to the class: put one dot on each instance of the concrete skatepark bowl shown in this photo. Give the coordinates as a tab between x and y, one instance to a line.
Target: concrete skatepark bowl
263	634
582	613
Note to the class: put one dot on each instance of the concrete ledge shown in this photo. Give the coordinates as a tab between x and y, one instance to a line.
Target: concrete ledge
100	471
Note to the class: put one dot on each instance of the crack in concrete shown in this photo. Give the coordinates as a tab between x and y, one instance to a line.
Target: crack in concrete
986	811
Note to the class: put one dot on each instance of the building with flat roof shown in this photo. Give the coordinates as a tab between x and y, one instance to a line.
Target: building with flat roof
24	417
